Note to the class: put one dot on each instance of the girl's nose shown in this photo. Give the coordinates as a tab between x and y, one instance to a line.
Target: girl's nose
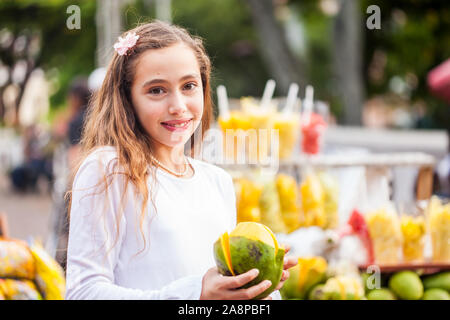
177	103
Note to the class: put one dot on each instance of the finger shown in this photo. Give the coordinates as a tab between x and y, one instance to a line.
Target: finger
267	298
289	262
239	280
250	293
284	275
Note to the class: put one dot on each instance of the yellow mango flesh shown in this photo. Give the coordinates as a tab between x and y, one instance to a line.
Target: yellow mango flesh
225	242
256	231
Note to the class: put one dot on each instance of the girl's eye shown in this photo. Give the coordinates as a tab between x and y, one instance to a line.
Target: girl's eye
190	86
156	91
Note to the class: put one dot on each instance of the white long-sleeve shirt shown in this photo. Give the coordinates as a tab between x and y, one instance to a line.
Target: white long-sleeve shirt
106	257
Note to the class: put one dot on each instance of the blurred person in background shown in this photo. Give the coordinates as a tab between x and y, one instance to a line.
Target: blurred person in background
78	100
39	145
37	161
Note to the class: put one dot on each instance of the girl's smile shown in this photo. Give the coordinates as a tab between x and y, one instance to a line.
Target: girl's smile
177	125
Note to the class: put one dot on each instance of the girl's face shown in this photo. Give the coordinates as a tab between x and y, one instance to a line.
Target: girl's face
167	94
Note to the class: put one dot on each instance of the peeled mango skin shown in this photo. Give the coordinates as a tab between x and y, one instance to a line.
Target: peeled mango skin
247	254
436	294
406	285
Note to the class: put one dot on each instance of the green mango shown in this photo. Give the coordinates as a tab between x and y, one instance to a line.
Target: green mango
381	294
406	285
250	245
439	280
436	294
367	282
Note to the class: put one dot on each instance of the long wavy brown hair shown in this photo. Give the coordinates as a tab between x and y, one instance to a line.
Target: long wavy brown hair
111	119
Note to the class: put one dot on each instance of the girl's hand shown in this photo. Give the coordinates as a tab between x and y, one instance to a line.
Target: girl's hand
218	287
289	262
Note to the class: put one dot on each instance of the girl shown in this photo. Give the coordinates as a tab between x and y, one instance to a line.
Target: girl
143	215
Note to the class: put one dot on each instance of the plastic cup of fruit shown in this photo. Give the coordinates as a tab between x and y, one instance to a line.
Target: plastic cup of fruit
312	134
288	132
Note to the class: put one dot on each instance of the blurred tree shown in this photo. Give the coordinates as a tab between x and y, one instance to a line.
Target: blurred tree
163	10
282	63
348	56
318	50
19	55
414	38
39	30
108	19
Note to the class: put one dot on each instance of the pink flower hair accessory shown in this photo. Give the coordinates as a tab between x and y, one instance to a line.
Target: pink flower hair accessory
124	44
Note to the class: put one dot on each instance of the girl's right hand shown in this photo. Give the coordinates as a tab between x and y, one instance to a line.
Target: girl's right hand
218	287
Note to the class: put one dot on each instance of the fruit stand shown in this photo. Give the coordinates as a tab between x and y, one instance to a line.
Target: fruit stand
340	212
420	248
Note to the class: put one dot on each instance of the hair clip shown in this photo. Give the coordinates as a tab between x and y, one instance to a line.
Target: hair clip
124	44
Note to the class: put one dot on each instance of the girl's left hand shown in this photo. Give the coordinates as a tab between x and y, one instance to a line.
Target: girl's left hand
289	262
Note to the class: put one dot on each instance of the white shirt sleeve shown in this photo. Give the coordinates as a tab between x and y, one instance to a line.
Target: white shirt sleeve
97	228
276	295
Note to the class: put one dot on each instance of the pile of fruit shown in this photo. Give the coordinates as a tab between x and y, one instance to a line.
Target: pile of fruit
408	285
312	133
284	206
27	272
313	279
413	231
400	238
386	235
438	226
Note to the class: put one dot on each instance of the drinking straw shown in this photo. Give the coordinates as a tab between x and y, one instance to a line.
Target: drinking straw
308	104
267	95
224	110
291	98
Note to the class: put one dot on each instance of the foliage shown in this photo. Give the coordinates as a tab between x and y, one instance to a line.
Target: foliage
319	52
414	38
67	53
